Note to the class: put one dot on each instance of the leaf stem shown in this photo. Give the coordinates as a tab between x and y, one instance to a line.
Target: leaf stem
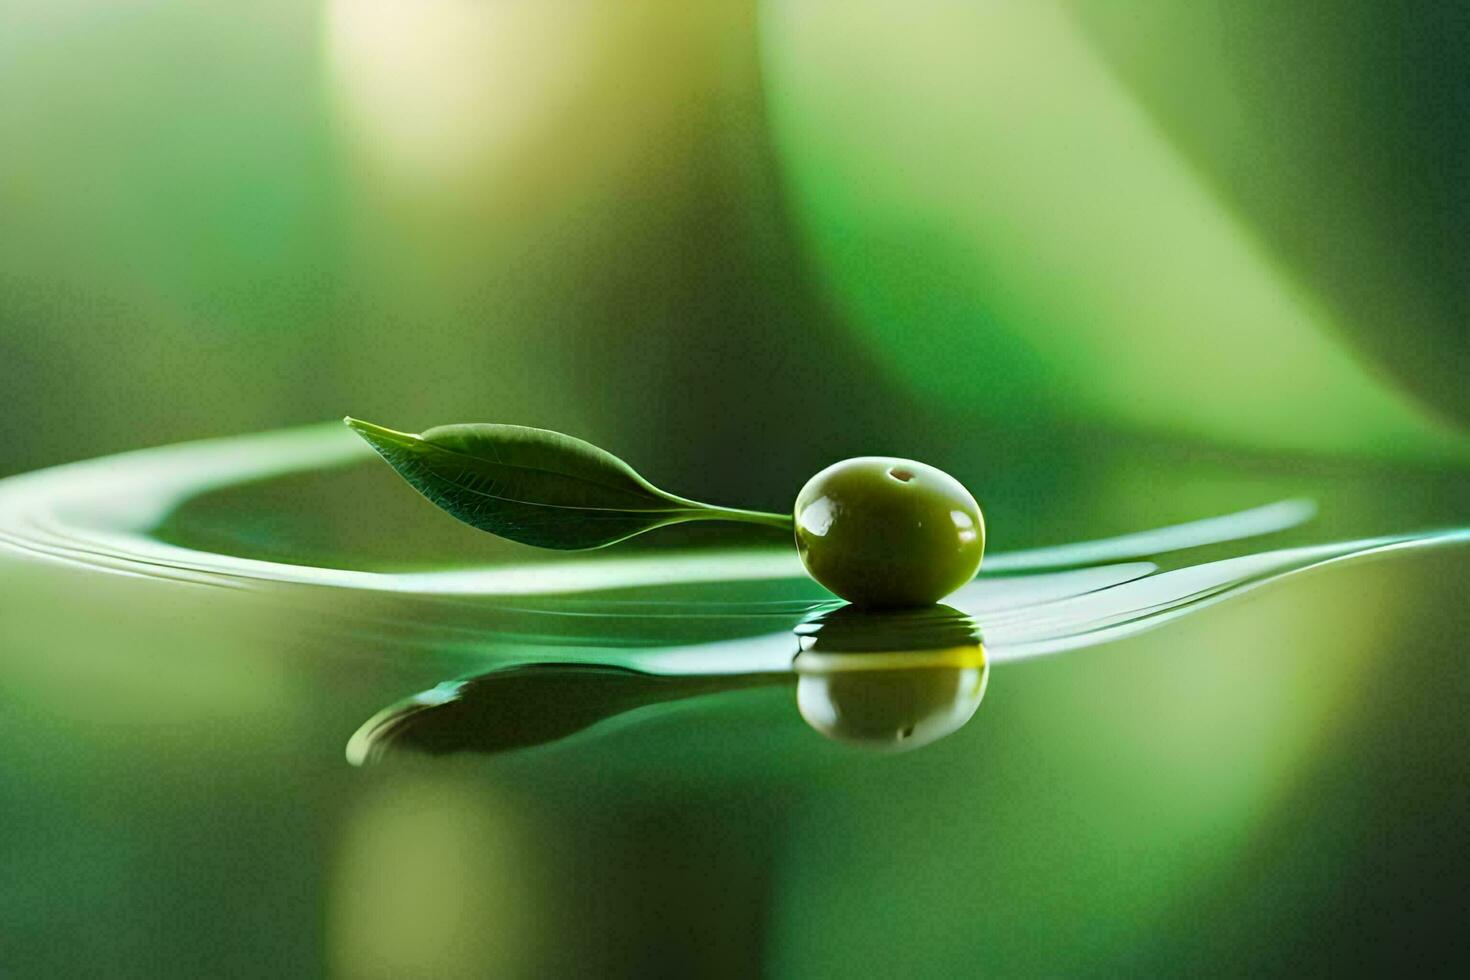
782	521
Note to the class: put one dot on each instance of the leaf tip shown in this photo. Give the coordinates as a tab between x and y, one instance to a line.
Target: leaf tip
364	429
374	433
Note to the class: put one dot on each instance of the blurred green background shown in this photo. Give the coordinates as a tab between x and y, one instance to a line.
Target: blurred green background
1113	264
707	235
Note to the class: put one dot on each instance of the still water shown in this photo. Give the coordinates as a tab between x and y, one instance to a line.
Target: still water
261	716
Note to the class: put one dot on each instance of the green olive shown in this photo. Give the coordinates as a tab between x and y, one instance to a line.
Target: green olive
880	531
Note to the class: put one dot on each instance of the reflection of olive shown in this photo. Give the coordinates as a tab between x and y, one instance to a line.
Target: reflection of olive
891	709
880	531
889	679
852	629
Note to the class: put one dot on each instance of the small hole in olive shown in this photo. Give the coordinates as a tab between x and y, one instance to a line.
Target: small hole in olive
900	474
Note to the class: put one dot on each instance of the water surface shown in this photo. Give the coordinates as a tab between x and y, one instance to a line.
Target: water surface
619	758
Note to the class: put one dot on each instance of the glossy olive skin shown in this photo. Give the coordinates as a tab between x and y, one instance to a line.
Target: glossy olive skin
886	532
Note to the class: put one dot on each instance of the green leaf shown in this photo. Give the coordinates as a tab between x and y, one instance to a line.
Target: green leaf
537	487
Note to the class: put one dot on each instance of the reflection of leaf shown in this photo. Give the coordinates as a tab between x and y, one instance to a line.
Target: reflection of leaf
519	707
537	487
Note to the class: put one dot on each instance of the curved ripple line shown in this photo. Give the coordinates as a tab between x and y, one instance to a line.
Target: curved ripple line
1088	619
99	513
1255	522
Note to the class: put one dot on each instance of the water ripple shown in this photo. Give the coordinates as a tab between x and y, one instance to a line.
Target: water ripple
101	513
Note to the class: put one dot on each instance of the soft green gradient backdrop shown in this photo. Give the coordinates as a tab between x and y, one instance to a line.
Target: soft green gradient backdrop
717	233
